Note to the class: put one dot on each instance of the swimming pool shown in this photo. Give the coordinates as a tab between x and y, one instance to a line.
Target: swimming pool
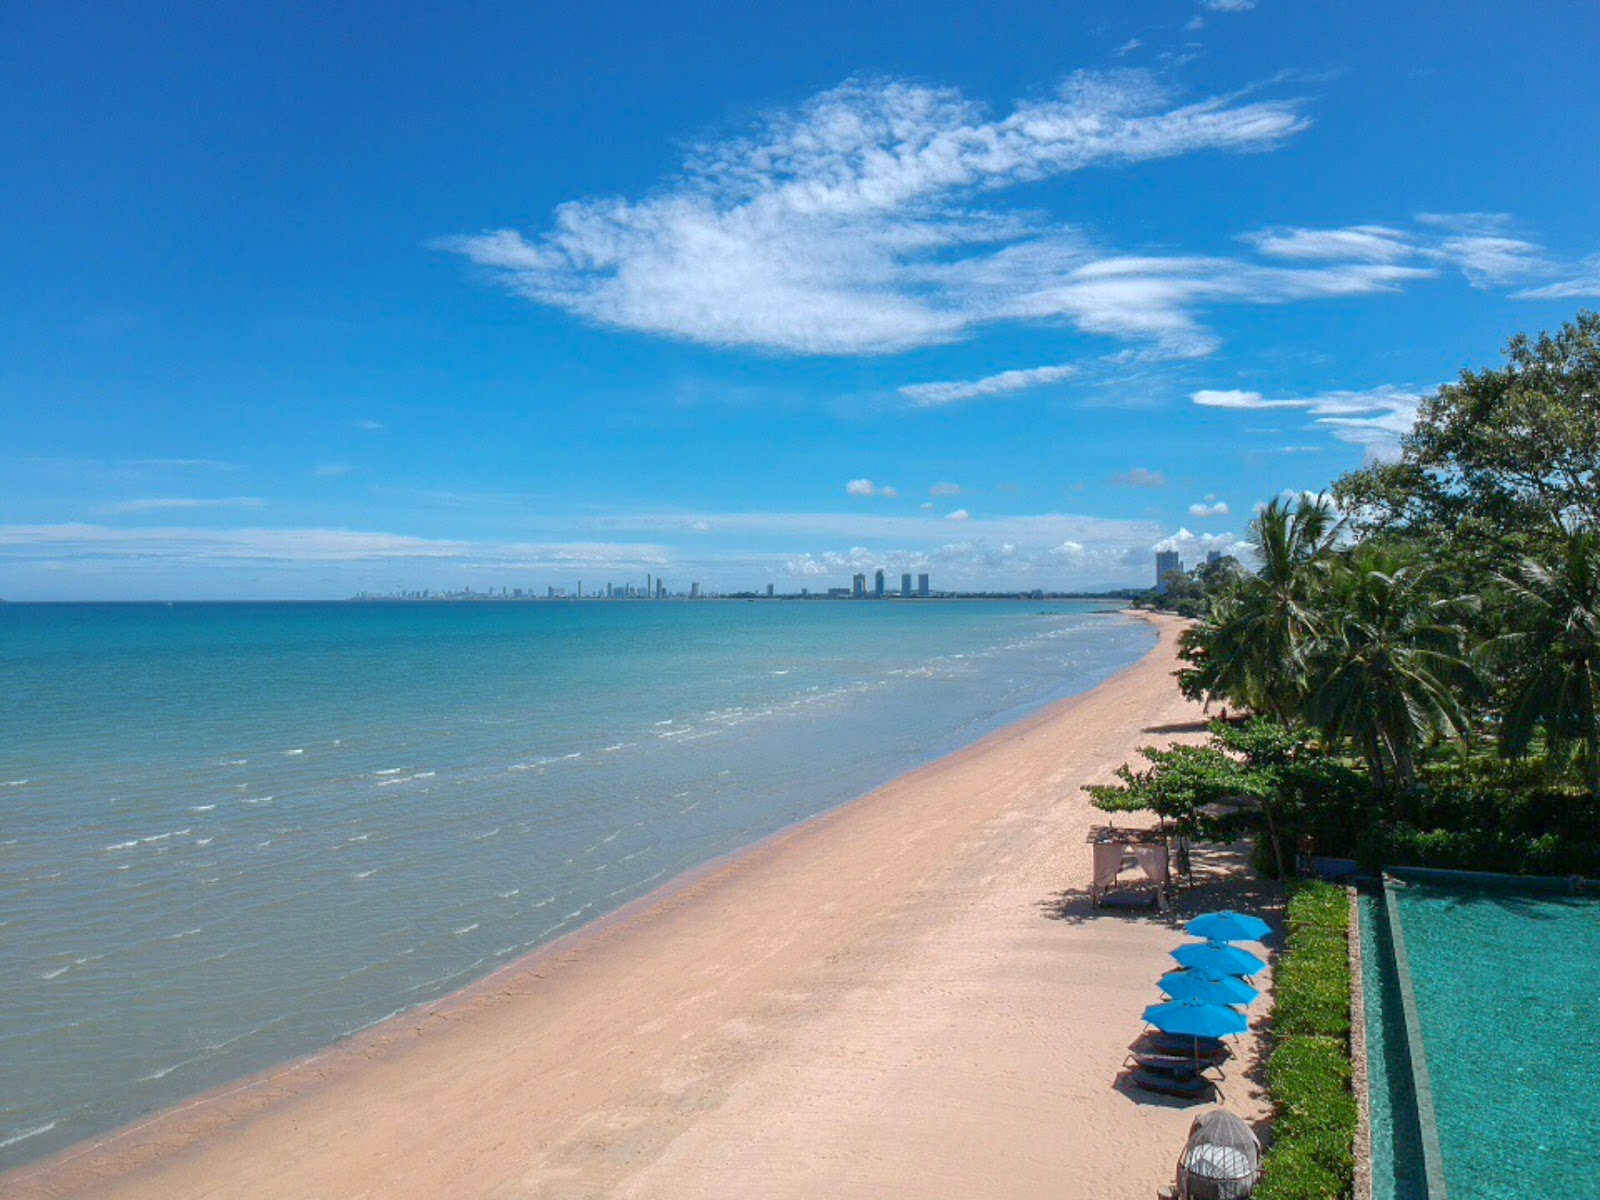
1503	977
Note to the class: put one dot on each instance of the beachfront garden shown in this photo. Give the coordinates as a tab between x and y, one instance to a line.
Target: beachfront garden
1412	663
1418	651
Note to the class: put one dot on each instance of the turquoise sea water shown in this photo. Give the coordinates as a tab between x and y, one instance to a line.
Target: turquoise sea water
1506	982
232	834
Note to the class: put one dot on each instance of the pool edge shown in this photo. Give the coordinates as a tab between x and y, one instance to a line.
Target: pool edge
1360	1076
1422	1085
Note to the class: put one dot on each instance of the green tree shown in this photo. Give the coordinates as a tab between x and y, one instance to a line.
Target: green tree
1502	459
1253	650
1554	652
1388	671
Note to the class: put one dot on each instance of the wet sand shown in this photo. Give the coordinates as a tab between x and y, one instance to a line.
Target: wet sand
910	995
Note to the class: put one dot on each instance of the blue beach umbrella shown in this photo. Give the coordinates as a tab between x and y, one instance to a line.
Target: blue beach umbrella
1228	926
1211	986
1219	957
1197	1019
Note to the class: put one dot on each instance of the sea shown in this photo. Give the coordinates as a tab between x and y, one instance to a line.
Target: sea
233	834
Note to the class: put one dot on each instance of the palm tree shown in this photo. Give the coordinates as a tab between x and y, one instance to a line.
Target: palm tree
1387	671
1253	649
1555	652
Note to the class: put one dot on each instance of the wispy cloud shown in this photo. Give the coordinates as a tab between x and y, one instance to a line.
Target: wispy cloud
1209	508
1140	477
865	220
368	425
959	514
187	545
1375	419
175	503
1583	281
1479	245
1229	6
945	489
930	395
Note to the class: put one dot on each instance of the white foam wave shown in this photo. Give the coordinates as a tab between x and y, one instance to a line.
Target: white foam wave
26	1134
508	895
203	841
12	783
466	929
58	971
172	937
292	753
364	874
258	799
232	762
201	807
123	845
544	762
478	837
389	771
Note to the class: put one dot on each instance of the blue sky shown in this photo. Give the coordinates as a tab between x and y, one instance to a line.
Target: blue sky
297	300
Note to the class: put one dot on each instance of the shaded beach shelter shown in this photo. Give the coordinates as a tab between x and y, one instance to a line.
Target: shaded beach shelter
1211	986
1229	926
1219	957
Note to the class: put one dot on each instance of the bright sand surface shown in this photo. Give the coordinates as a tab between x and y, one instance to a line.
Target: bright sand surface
909	996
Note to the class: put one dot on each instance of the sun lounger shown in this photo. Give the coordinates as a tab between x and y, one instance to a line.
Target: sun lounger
1205	1049
1170	1064
1185	1087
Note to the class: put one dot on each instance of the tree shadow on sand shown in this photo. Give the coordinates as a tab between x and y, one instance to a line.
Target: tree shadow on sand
1220	878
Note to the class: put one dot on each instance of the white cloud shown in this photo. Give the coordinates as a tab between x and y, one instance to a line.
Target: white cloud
1232	6
864	221
930	395
1127	47
295	546
926	506
1361	243
959	514
1584	280
1194	24
1186	543
174	503
1142	477
865	487
945	489
1218	508
369	425
332	470
1374	419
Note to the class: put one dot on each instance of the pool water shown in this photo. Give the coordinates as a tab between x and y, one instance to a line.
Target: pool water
1396	1139
1506	980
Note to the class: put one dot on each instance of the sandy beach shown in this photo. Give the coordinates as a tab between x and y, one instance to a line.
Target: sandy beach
908	996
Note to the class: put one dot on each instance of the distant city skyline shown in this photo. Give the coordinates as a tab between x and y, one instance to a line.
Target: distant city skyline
300	308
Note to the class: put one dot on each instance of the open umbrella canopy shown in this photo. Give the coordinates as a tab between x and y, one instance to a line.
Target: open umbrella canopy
1196	1018
1229	926
1211	986
1219	957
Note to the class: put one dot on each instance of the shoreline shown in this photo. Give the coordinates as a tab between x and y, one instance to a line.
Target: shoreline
174	1153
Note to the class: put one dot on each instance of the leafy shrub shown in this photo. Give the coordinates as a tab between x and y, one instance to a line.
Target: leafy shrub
1313	977
1312	1155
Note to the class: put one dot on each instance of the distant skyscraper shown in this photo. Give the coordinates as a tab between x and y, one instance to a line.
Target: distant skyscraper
694	590
922	584
905	584
1213	557
769	591
877	584
858	586
661	588
1167	561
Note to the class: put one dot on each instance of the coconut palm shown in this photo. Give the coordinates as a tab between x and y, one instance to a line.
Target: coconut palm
1253	649
1387	671
1554	653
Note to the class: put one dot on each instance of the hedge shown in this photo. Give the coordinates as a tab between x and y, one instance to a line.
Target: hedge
1312	1155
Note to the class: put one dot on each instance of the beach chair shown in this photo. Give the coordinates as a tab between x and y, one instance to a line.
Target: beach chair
1212	1050
1184	1087
1171	1064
